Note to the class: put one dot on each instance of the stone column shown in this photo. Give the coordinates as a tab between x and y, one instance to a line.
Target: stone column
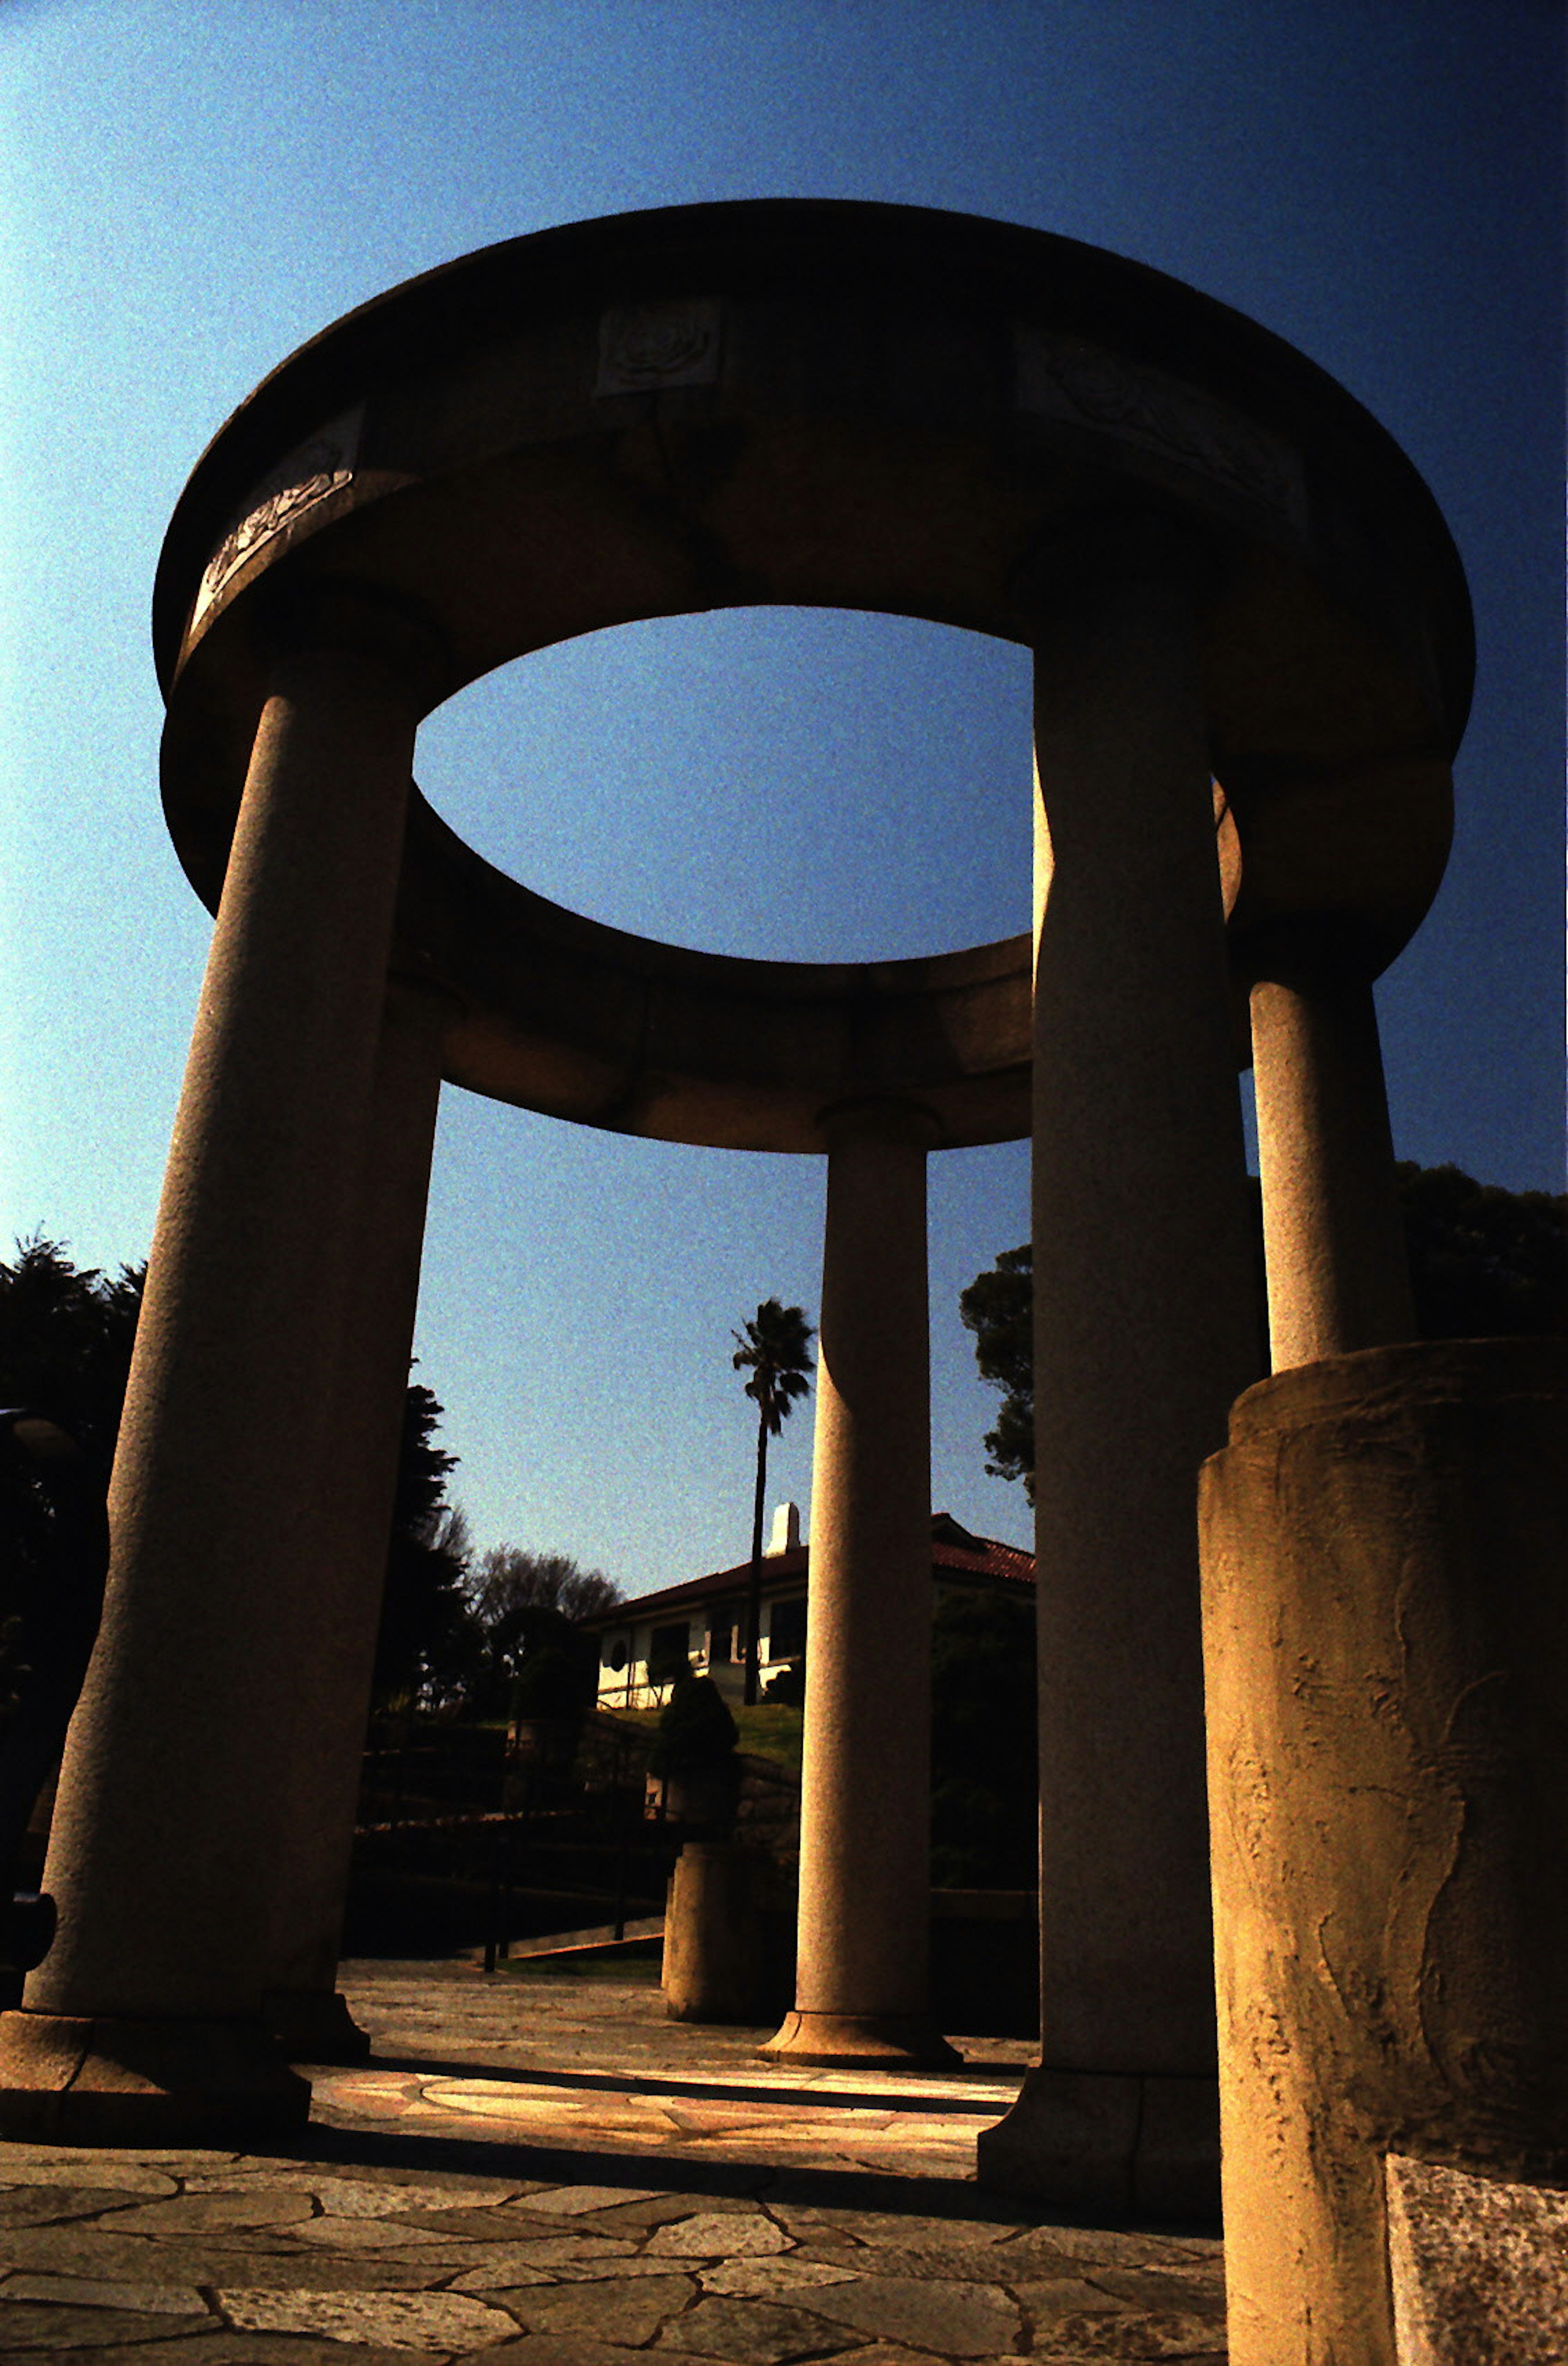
860	1973
1338	1278
1385	1631
1144	1331
357	1486
143	2022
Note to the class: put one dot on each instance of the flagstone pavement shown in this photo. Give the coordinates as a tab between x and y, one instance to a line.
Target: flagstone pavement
544	2168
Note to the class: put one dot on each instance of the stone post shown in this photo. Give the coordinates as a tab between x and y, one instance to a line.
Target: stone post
144	2024
1386	1630
1144	1333
864	1947
357	1483
719	1964
1338	1278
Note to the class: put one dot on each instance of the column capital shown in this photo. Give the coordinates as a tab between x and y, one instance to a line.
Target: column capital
335	616
421	1002
1306	951
1104	551
879	1118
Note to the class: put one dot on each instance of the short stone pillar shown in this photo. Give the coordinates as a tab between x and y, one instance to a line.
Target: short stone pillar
1386	1642
718	1962
1338	1278
357	1481
865	1929
1145	1331
143	2024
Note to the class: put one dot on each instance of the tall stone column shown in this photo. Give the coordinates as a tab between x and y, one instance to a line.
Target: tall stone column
1144	1333
143	2022
1338	1279
862	1967
356	1483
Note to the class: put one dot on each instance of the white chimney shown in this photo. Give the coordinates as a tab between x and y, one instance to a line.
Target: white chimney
786	1529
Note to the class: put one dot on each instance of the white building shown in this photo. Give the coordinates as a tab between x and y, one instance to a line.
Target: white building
701	1623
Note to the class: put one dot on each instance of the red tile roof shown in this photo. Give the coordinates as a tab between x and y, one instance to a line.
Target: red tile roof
955	1555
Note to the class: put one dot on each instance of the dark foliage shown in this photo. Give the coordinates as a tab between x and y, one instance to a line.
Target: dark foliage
695	1728
558	1673
520	1606
1484	1263
423	1607
999	1307
66	1334
985	1771
775	1347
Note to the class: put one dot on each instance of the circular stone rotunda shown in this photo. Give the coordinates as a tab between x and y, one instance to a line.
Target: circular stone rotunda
1253	657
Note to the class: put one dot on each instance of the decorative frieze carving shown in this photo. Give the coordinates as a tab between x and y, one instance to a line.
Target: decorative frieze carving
312	471
643	347
1065	378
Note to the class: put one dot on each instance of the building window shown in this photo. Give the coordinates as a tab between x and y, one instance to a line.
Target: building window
669	1653
787	1629
725	1635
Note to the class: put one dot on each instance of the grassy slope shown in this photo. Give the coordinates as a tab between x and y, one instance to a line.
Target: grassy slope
766	1731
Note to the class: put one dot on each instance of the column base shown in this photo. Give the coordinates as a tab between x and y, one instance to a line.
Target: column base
862	2041
314	2025
1132	2146
144	2082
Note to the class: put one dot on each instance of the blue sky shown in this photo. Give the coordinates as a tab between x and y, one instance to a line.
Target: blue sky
188	188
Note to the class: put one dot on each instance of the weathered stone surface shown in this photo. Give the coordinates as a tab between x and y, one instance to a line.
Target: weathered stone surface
1196	2290
553	2349
1115	2247
770	2278
1075	2340
579	2201
1386	1642
83	2169
1479	2268
893	2353
260	2257
594	2272
346	2197
627	2312
436	2323
909	2230
746	2333
56	2325
392	2233
962	2320
262	2206
713	2234
500	2276
217	2349
977	2263
55	2205
560	2250
574	2274
102	2291
1043	2301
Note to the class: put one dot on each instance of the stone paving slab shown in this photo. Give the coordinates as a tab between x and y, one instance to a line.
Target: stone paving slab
550	2173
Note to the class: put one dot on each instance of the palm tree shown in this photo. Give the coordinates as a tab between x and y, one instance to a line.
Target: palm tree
774	1348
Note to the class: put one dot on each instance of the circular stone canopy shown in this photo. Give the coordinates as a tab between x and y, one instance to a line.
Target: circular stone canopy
822	405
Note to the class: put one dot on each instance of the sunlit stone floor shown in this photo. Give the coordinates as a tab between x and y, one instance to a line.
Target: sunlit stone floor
545	2169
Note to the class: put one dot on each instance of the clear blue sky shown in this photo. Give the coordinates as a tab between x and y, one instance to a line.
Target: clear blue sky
188	188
